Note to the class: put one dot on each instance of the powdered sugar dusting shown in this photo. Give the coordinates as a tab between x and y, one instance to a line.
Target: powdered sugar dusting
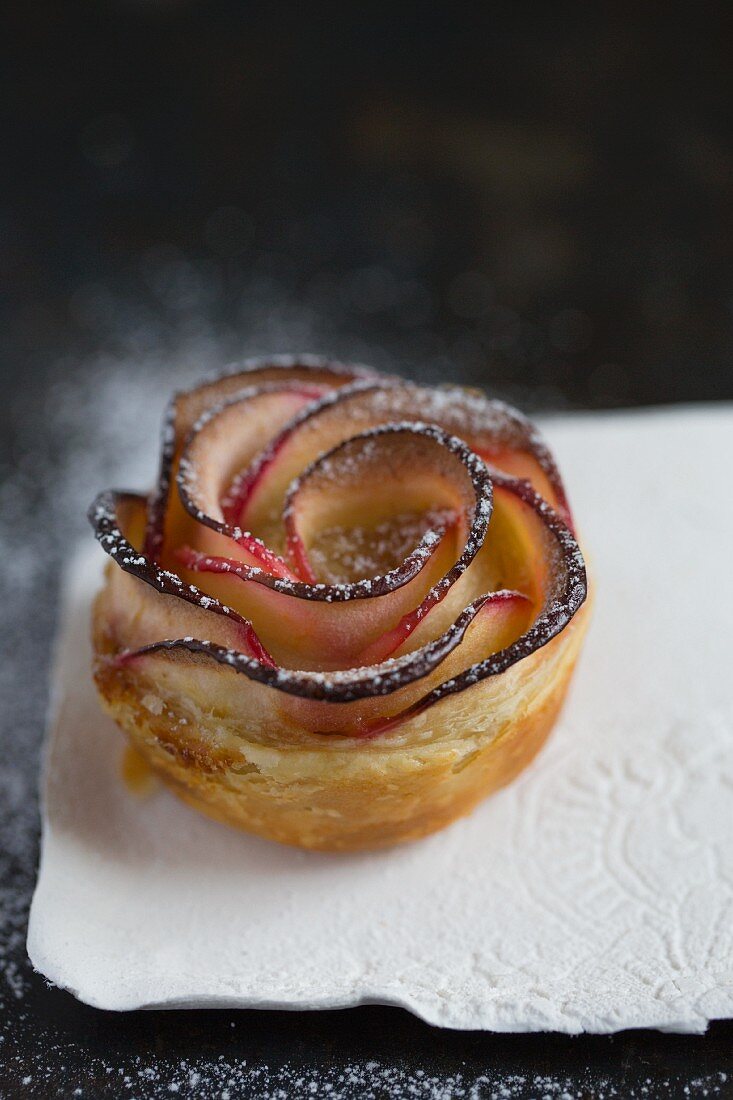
224	1078
341	554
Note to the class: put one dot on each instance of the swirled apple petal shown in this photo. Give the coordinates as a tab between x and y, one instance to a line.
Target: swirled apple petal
119	522
187	407
331	626
491	429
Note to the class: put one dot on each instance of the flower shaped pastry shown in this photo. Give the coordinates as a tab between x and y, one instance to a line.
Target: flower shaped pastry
349	610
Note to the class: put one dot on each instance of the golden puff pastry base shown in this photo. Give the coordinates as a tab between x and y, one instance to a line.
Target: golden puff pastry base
328	792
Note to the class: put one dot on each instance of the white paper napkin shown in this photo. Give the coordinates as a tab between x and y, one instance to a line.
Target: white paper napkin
593	895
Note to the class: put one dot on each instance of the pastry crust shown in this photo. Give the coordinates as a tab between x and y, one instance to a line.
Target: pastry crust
360	757
343	794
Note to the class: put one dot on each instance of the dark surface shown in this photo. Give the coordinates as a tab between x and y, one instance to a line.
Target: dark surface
537	204
375	1050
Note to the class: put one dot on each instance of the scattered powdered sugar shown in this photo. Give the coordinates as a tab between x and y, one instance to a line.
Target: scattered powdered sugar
345	554
226	1079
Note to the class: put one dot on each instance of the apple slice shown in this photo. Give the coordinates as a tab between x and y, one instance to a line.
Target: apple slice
188	407
326	626
222	441
489	427
138	612
313	703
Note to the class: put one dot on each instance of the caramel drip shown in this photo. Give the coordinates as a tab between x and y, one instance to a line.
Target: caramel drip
137	774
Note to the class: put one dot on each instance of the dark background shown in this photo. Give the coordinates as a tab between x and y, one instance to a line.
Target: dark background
537	201
533	199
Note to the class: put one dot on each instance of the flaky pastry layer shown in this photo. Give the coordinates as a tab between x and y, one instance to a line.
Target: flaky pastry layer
331	793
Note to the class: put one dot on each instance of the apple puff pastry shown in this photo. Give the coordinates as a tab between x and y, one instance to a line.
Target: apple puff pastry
349	610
